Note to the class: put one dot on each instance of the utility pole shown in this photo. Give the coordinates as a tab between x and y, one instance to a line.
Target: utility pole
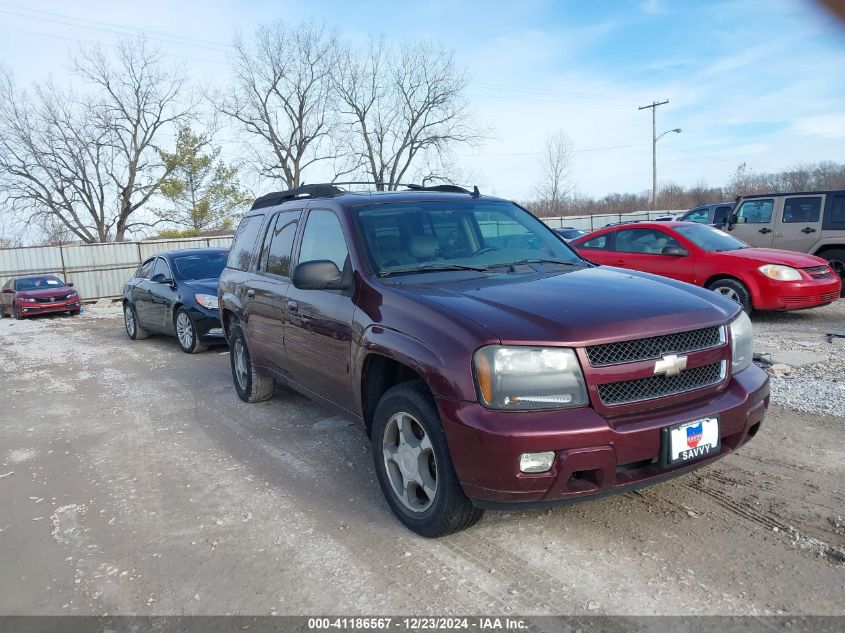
653	106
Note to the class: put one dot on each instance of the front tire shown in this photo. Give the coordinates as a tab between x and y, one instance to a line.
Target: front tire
15	313
414	466
130	322
250	385
186	333
734	290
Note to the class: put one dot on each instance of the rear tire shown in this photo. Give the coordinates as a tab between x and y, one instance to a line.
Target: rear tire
130	322
250	385
836	259
735	290
414	466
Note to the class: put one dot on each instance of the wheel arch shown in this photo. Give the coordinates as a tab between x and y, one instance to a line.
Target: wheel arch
378	374
753	288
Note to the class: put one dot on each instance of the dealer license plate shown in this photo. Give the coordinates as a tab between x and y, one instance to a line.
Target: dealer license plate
693	440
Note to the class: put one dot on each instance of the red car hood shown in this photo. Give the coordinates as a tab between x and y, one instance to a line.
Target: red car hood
777	256
46	293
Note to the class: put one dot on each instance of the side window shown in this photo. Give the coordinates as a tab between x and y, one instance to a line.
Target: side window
755	212
834	215
643	241
145	270
323	239
802	209
597	243
161	268
720	215
244	242
696	215
278	244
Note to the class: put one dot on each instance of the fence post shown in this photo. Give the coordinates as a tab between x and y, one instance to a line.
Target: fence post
62	256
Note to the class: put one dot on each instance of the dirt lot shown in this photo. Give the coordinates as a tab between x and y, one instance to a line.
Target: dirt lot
133	481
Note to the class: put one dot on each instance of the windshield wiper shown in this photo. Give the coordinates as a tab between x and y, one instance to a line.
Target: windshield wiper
546	261
433	267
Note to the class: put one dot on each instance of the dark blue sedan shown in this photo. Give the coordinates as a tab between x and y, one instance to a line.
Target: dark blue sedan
175	293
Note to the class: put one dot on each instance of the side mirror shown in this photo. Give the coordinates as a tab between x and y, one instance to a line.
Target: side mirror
69	284
675	251
160	278
7	291
318	274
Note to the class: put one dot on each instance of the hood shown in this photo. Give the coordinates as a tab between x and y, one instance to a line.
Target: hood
579	307
46	293
776	256
202	286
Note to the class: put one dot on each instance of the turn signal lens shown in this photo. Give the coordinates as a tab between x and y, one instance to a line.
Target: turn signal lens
484	375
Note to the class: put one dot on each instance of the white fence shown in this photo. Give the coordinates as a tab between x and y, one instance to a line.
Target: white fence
99	270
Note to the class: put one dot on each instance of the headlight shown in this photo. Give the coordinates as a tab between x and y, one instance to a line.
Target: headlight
207	301
781	273
742	343
529	378
26	299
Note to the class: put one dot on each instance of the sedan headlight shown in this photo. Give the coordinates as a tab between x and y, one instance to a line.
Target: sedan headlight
529	378
207	301
780	273
742	343
26	299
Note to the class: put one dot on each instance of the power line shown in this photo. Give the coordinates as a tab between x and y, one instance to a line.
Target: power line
537	91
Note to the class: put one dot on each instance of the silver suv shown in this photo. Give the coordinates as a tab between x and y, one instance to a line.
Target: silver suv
805	222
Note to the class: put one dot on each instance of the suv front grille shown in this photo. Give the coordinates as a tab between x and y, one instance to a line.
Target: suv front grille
660	386
819	272
654	347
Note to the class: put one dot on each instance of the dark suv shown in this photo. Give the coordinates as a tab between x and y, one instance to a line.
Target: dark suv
490	364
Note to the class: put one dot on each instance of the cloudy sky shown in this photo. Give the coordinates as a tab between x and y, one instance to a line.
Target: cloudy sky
759	81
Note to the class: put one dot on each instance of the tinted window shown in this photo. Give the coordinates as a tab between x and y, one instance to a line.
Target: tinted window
709	239
696	215
802	209
145	270
597	243
278	245
834	215
720	215
38	283
643	241
243	243
200	265
755	212
161	268
323	239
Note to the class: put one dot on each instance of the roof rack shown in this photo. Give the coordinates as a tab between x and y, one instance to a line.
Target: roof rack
329	190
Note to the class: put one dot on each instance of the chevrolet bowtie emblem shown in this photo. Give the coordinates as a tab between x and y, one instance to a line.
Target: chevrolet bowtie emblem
670	365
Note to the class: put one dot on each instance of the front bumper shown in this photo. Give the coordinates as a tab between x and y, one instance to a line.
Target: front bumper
207	323
32	309
797	295
594	455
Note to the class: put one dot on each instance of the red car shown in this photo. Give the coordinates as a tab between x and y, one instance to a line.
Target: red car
38	294
757	278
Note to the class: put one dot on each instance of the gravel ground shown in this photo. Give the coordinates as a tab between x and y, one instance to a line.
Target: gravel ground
817	388
133	481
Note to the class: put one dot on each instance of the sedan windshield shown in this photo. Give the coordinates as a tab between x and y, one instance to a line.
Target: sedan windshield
709	239
430	236
200	265
38	283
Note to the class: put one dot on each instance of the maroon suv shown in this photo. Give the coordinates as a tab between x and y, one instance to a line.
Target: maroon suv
489	363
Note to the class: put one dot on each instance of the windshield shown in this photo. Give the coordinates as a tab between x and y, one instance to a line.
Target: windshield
200	265
38	283
474	234
709	239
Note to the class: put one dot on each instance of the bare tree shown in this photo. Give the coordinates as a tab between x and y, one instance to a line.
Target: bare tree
88	164
282	97
554	184
405	109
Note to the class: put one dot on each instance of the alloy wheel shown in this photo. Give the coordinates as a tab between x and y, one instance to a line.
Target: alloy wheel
241	372
730	293
185	330
129	320
410	462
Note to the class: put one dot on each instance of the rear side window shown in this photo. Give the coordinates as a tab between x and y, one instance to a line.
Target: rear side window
244	242
323	239
834	215
278	244
643	241
802	209
597	243
755	212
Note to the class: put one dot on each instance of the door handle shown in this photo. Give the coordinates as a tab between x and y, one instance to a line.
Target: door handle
293	306
764	230
250	294
807	230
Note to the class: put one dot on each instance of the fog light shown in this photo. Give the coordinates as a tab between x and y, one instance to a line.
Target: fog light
215	330
536	462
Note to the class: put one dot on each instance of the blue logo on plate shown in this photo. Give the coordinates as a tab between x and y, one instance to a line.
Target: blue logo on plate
694	434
